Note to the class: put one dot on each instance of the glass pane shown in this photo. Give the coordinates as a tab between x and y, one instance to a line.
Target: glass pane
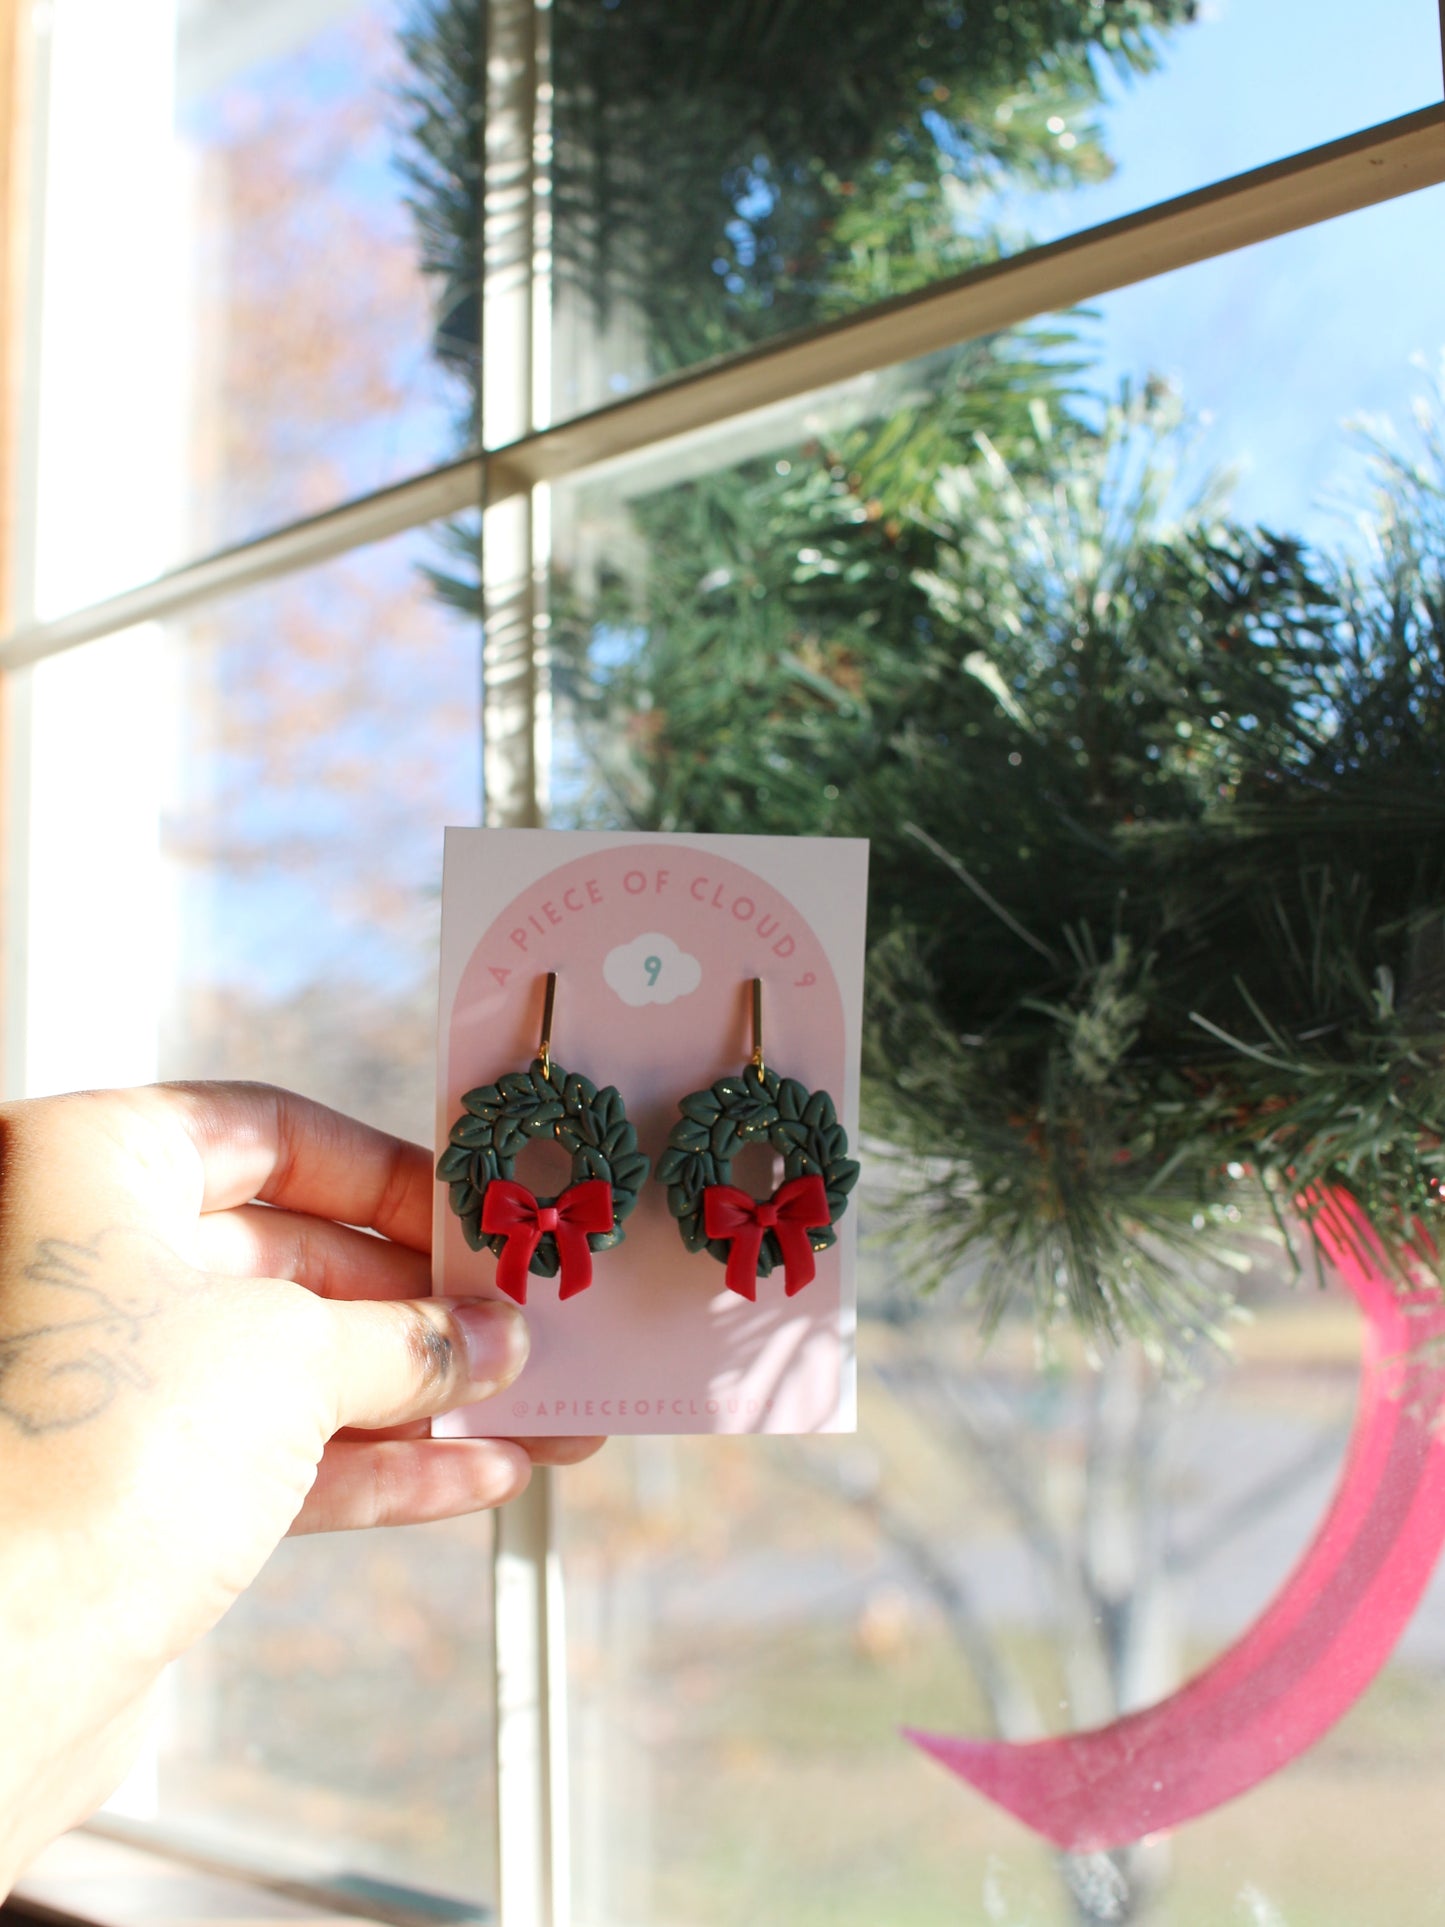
722	176
336	1727
752	1626
339	1720
1003	599
250	804
331	731
315	378
268	343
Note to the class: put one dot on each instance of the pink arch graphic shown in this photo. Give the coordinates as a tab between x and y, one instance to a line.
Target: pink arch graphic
1315	1648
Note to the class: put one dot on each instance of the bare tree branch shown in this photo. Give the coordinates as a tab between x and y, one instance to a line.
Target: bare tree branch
1254	1505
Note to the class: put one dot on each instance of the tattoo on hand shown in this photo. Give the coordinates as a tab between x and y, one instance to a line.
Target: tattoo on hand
74	1359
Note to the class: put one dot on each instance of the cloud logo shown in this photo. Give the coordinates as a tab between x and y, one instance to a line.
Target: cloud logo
651	970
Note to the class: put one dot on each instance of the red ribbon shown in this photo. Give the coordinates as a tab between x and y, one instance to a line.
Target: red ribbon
511	1210
796	1208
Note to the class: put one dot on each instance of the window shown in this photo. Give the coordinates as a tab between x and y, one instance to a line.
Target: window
370	266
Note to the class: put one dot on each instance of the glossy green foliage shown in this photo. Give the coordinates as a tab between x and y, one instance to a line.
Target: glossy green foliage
497	1121
755	1107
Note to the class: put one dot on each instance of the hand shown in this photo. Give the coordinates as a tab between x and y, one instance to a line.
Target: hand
199	1353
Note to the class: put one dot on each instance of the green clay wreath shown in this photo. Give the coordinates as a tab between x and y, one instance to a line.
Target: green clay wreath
544	1102
758	1107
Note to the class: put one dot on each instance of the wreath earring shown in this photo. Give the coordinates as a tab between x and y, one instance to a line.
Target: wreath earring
752	1235
527	1233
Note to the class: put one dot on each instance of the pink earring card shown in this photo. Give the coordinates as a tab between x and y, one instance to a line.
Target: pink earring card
655	941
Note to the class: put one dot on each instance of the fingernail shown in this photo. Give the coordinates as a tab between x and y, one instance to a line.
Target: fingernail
497	1342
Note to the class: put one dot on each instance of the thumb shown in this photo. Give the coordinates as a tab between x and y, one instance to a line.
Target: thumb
407	1359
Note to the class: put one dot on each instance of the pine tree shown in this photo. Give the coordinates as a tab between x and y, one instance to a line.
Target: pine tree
1156	920
724	175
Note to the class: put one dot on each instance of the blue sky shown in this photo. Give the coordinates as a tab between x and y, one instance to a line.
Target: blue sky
1280	345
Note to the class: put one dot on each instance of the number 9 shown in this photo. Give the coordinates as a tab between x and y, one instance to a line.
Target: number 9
653	967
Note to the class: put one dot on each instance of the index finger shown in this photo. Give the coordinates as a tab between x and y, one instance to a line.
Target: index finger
259	1143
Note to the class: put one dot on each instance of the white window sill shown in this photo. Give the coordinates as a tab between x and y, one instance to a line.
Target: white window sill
83	1880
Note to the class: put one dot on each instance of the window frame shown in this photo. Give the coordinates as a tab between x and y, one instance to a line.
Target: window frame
524	451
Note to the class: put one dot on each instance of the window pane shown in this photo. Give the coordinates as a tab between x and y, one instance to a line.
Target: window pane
315	377
777	627
752	1625
725	175
234	179
235	872
331	731
340	1716
337	1724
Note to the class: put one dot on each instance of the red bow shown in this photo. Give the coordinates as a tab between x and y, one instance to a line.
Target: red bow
511	1210
798	1207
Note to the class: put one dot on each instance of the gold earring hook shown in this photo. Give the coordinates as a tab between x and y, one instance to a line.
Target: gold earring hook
757	1056
544	1049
